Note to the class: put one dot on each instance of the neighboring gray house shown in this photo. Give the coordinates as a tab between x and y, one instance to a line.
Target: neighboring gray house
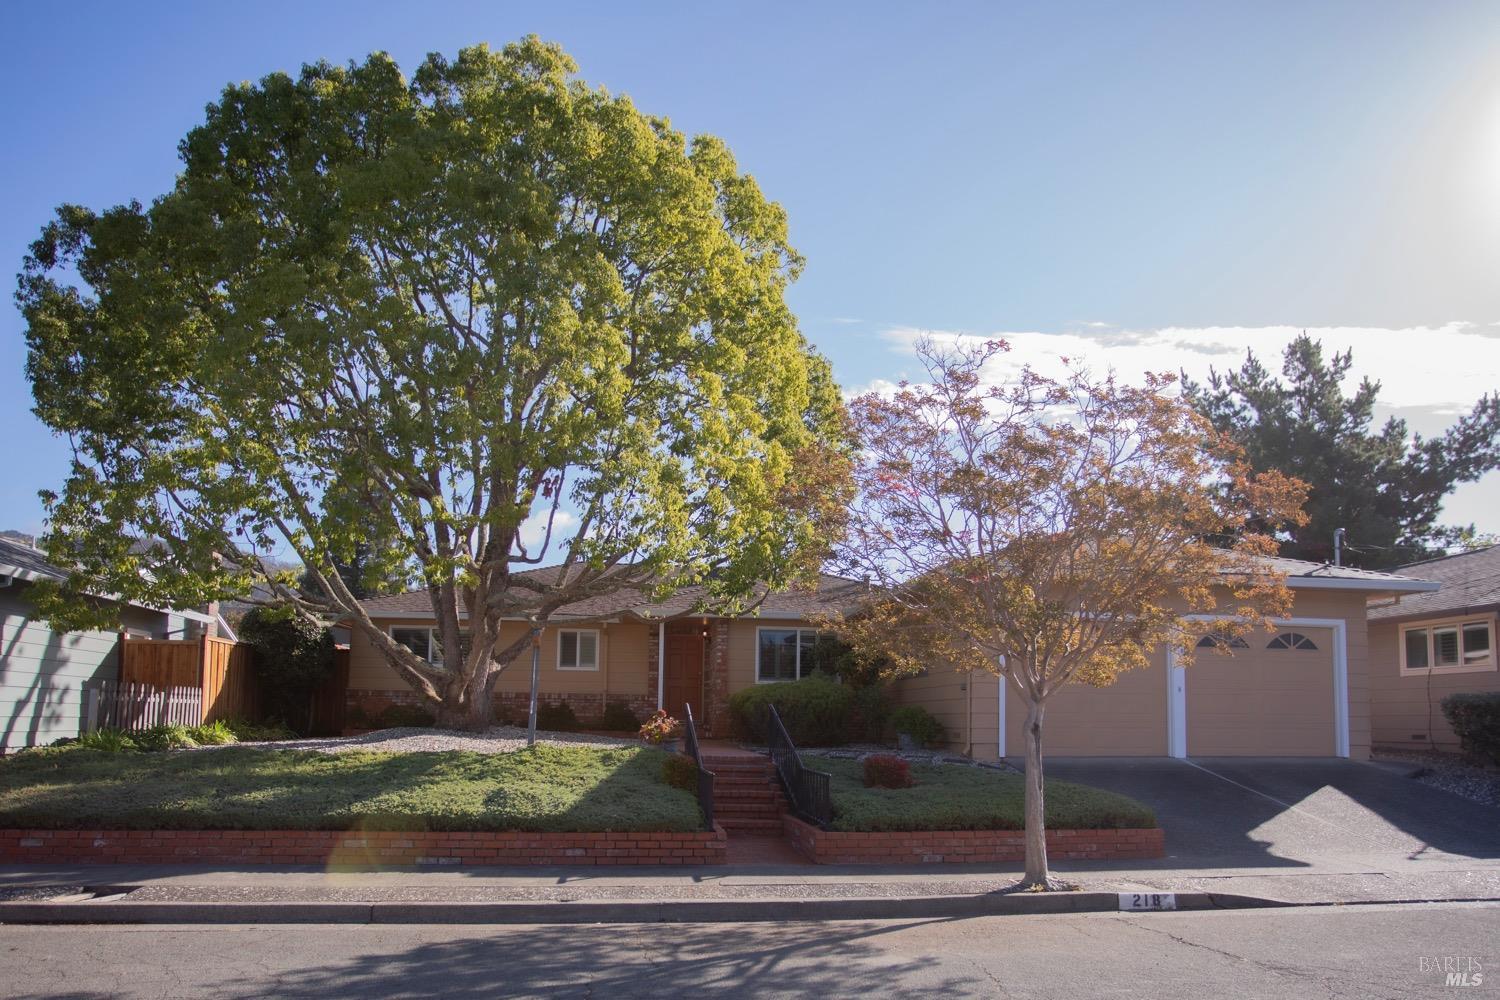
42	671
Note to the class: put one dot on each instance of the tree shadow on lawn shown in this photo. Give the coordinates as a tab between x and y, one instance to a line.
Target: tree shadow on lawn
634	960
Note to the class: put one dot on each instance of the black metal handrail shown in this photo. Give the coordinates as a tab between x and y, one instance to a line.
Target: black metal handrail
807	790
705	776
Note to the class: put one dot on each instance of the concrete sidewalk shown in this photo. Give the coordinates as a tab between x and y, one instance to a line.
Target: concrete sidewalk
1407	881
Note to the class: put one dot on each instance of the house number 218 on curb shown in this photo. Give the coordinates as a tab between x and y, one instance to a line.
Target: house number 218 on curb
1148	901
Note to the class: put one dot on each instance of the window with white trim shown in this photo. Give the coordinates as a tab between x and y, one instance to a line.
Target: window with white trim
787	654
1457	646
578	649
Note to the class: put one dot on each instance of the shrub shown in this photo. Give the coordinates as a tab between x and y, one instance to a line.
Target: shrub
869	713
107	740
213	734
918	723
884	770
165	738
679	771
402	716
660	728
558	718
1475	717
355	717
815	710
293	657
619	718
246	731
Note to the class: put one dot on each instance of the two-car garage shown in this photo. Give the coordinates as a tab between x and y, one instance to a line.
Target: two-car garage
1271	696
1283	694
1301	690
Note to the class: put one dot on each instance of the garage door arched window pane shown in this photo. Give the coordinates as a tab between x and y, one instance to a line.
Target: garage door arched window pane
1216	640
1291	640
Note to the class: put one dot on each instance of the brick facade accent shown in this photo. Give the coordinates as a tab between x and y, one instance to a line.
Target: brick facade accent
716	679
836	847
362	849
510	707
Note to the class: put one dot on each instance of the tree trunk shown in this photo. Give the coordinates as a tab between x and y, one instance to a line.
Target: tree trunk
1036	815
456	711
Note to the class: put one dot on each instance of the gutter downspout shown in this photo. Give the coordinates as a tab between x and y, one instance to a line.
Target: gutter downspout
661	661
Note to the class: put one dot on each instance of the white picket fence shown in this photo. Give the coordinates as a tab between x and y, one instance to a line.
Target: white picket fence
131	706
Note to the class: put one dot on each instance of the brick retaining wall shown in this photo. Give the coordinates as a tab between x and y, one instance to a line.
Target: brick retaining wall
836	847
355	848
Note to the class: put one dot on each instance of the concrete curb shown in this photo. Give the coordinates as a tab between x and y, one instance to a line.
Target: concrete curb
606	912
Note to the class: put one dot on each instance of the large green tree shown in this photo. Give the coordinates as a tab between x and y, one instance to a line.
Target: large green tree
1384	487
423	315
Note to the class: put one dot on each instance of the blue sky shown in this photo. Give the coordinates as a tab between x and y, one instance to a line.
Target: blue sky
1155	184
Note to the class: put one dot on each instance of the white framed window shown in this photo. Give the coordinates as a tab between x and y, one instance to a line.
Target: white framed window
425	642
578	649
784	654
1456	646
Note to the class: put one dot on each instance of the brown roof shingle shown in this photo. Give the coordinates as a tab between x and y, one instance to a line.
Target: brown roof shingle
1471	581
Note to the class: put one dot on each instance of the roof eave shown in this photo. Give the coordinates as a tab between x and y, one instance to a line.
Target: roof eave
1348	583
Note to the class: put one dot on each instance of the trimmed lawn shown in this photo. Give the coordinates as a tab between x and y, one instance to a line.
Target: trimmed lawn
545	788
948	797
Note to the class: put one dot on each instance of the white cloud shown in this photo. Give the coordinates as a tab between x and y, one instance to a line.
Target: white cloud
1448	366
534	529
1429	375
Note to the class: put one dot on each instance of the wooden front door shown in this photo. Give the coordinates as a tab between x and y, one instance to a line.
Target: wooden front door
682	682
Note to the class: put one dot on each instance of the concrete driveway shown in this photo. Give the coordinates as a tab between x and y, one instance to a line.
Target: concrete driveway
1294	813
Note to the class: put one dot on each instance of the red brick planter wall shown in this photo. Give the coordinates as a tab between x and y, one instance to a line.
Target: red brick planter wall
833	847
347	847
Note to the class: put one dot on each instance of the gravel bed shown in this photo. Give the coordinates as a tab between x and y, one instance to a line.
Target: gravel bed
1449	772
497	739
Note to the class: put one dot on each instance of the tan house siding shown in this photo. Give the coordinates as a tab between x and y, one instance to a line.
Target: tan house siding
1127	719
622	673
1407	711
967	704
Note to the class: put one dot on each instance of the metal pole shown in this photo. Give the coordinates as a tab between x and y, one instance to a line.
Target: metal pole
1338	546
536	669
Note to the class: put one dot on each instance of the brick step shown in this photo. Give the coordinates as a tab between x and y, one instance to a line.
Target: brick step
744	783
761	802
737	769
750	798
749	824
747	808
747	794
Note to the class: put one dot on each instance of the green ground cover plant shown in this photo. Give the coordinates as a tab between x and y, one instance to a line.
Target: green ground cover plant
952	797
543	788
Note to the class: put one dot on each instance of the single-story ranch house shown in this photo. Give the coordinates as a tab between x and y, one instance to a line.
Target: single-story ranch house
1303	691
1426	646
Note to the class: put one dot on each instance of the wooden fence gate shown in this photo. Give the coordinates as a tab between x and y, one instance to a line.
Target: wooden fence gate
176	682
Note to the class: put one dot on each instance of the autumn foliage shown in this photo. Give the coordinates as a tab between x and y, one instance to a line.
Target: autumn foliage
1052	529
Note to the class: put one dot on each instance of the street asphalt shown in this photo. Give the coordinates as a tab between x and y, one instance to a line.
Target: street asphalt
1357	951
